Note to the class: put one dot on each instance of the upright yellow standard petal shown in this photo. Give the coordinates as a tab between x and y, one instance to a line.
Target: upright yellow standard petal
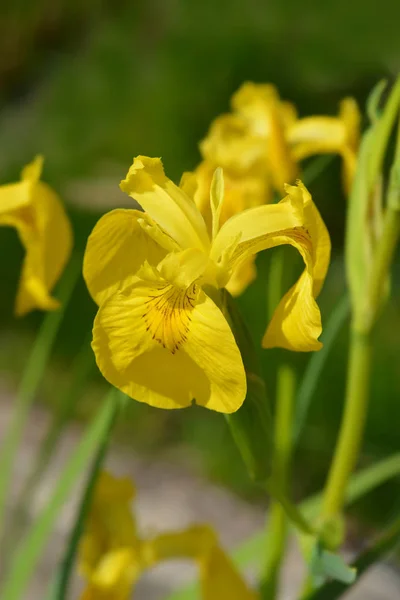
168	346
46	234
269	118
234	146
170	207
241	192
14	196
116	249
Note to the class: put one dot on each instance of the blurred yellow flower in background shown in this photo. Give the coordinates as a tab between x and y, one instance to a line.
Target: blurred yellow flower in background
160	334
36	212
329	135
109	552
263	138
259	146
112	556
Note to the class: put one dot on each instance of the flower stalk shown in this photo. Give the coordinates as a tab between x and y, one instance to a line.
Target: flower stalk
351	432
368	297
277	528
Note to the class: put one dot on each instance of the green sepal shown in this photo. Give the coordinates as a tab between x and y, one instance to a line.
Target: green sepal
250	426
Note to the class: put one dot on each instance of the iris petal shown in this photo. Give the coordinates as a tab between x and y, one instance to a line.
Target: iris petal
167	347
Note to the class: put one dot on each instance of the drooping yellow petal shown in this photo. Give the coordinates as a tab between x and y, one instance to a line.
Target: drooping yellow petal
218	576
117	571
114	577
46	235
109	550
170	207
116	249
255	226
296	322
296	325
220	579
48	246
168	346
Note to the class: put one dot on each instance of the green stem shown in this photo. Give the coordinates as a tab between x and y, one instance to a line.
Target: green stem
61	586
31	379
352	427
382	261
277	528
293	513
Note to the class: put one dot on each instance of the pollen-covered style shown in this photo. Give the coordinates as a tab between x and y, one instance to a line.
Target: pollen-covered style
160	335
112	556
38	215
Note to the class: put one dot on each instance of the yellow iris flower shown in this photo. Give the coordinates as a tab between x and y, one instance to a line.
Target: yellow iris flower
264	138
259	145
329	135
112	556
38	215
160	335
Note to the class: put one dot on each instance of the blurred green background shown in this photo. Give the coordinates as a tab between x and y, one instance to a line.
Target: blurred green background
91	84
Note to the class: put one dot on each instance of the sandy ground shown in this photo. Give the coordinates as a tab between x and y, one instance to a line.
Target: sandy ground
169	497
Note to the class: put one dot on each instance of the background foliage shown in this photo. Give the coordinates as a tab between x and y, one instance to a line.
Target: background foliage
90	84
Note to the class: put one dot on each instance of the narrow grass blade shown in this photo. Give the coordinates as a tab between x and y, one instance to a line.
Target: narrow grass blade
61	586
62	415
28	554
317	362
315	168
31	379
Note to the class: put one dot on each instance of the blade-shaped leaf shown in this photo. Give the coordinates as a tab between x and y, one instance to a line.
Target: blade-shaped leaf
387	543
27	556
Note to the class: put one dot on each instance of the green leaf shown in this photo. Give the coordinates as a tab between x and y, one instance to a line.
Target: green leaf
28	554
327	565
250	426
62	414
31	378
387	543
60	589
